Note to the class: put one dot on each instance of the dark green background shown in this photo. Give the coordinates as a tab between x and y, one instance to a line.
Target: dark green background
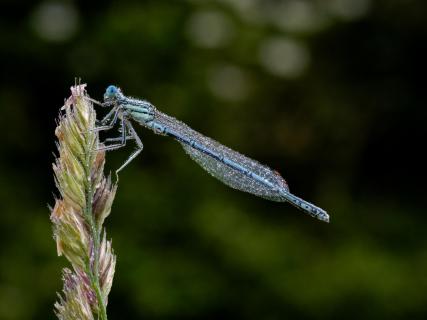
344	133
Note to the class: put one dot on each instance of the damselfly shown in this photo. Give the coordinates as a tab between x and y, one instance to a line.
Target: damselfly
229	166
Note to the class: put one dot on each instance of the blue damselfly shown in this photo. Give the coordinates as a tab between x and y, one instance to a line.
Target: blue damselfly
229	166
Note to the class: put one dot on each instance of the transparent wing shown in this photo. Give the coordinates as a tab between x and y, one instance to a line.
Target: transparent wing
230	176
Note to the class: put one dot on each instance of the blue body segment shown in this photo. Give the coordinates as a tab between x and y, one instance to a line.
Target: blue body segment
225	164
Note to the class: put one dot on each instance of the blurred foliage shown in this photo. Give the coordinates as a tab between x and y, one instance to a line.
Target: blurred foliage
330	94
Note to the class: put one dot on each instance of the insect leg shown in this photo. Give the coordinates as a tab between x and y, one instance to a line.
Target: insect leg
139	146
108	116
115	113
122	139
94	101
128	137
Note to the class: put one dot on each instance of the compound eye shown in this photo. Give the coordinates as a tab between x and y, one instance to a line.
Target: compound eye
112	89
111	92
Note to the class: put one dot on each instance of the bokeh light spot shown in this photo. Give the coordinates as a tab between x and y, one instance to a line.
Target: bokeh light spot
55	21
296	16
248	10
284	57
229	83
210	29
349	9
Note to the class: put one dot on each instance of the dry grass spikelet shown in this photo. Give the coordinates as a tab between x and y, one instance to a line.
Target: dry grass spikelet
86	197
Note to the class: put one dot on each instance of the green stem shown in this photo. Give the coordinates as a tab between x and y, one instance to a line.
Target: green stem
94	272
95	231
